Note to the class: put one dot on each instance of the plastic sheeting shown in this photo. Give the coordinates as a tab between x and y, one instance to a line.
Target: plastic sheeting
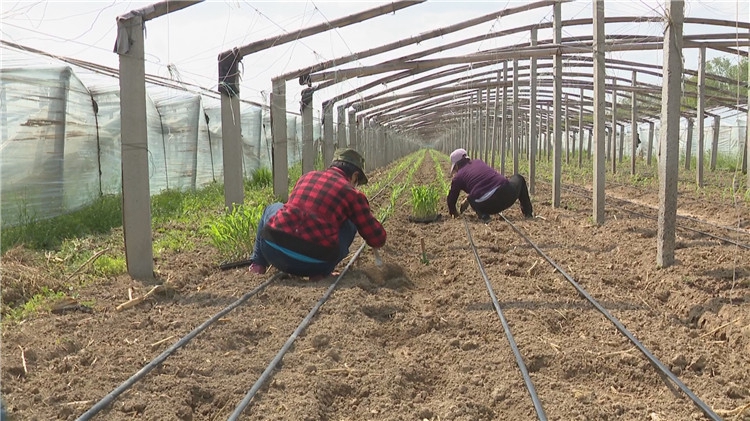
61	147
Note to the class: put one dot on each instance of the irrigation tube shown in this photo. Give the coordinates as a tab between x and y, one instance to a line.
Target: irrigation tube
655	361
267	372
163	356
519	359
707	234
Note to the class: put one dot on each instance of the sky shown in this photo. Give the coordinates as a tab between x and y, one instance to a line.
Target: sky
184	45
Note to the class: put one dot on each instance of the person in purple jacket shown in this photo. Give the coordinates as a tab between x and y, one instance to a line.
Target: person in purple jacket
489	192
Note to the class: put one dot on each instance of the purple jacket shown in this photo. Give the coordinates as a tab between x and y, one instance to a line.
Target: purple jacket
475	178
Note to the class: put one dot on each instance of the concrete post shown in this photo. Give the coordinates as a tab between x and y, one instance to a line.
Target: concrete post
136	194
328	143
556	98
669	136
580	130
689	144
532	118
599	105
700	115
649	153
341	127
715	141
613	134
633	126
278	131
515	118
504	121
308	147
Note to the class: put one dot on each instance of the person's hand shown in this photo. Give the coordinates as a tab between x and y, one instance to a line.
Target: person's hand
464	205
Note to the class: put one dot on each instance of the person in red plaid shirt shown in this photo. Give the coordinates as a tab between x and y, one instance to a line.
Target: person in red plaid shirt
311	233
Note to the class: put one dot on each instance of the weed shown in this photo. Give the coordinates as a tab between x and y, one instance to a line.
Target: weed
107	266
36	303
234	234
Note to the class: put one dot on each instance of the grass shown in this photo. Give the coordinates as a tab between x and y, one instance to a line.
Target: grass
40	257
34	304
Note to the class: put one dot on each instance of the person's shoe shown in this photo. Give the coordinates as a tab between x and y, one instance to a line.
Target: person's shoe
529	216
256	268
484	218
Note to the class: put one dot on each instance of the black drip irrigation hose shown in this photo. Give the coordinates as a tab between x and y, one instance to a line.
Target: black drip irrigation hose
519	359
163	356
302	326
655	361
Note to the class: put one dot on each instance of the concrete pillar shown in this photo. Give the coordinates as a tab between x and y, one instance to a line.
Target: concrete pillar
136	194
715	141
557	109
633	126
278	131
308	147
580	130
700	115
599	105
515	118
566	124
532	117
669	136
328	142
341	128
495	122
689	144
504	122
649	153
352	129
487	125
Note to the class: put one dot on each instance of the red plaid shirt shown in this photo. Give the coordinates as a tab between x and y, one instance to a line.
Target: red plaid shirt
318	206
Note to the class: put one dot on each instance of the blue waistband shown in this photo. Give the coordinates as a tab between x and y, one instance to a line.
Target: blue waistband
294	254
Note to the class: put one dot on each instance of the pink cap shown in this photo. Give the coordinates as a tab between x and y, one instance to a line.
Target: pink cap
456	156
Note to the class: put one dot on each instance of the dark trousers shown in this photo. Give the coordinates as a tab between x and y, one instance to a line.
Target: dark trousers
505	197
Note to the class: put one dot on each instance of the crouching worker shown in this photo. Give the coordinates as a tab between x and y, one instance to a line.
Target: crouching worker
311	233
489	192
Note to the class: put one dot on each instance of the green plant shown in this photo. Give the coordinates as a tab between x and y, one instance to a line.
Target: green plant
424	201
234	233
110	266
46	234
35	304
261	177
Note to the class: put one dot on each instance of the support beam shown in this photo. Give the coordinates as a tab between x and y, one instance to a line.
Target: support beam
136	194
634	136
701	116
308	147
532	117
515	124
504	121
580	131
328	142
669	136
278	131
715	142
649	153
557	108
613	134
689	143
599	113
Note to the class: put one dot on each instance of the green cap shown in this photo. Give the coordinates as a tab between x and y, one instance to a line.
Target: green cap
353	157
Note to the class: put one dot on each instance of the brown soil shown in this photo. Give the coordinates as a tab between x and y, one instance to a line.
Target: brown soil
419	337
